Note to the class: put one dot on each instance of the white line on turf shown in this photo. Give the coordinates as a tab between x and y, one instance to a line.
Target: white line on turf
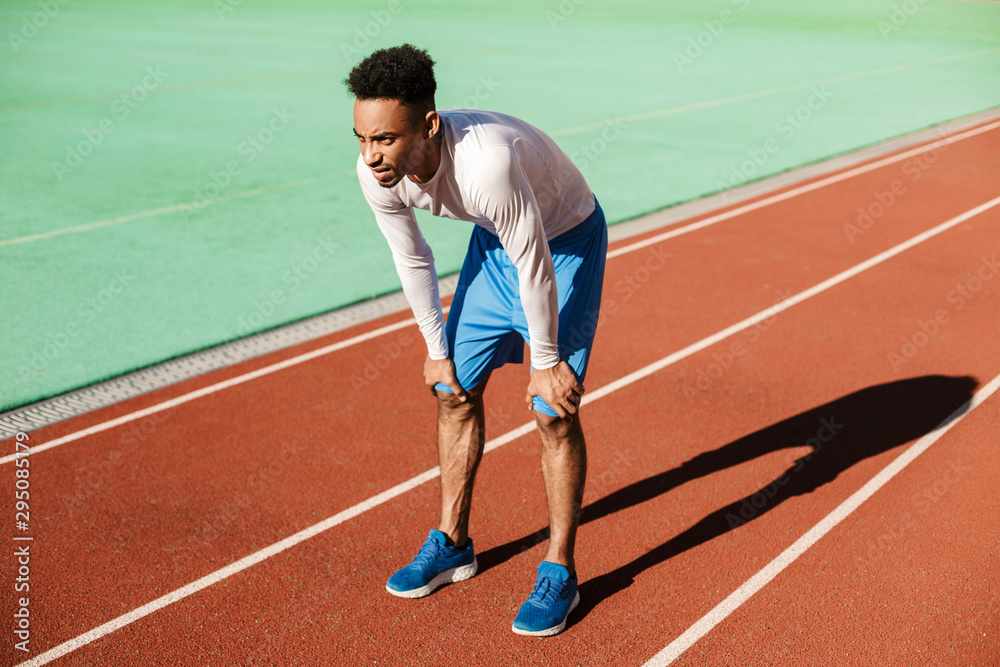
399	489
572	130
789	555
701	224
659	113
176	208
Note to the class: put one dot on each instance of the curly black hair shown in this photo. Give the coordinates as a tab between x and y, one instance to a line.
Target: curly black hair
403	73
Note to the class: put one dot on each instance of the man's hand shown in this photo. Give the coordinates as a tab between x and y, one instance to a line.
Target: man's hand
558	387
443	371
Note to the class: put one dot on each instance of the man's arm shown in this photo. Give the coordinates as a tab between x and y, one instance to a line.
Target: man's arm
505	196
414	262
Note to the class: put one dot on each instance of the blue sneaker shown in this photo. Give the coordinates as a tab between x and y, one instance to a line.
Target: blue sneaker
435	564
554	597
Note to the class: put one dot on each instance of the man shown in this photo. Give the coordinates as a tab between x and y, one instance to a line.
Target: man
533	273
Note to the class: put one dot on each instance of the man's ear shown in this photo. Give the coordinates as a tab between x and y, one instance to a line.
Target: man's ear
432	124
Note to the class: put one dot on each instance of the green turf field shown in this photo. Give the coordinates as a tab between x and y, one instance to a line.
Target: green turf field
175	175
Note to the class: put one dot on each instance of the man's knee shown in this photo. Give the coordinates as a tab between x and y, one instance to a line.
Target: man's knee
556	428
449	401
451	404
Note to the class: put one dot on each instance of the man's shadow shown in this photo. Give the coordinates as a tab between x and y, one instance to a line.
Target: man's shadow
841	433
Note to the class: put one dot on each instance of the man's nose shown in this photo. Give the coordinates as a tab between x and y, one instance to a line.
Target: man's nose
371	154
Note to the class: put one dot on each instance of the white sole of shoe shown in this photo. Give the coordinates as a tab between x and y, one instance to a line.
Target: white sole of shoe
555	629
460	573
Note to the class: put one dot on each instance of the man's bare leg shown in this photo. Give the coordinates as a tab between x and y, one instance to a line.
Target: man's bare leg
461	436
564	471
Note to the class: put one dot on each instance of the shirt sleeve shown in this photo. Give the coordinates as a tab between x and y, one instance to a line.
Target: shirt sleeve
501	191
413	259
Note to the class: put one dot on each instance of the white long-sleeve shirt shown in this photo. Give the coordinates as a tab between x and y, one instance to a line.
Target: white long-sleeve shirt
506	176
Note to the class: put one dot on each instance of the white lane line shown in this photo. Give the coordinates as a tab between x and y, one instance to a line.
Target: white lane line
226	572
809	187
433	473
701	224
218	386
788	556
789	302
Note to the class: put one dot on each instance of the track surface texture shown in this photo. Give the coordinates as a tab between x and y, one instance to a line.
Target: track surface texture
702	470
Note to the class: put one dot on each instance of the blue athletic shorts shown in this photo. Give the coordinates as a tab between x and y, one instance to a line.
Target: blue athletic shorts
486	326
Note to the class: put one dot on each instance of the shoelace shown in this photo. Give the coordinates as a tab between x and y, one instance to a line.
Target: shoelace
543	591
430	551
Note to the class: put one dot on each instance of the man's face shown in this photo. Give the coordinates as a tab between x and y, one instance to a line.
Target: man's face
392	144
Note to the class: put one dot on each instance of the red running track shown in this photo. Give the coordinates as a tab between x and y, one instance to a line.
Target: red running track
700	473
